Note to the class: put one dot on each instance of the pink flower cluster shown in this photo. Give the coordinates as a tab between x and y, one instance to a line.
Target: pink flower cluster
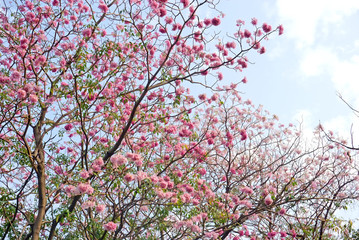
247	190
88	204
136	158
84	188
100	208
103	7
118	160
266	27
243	134
97	164
268	200
110	226
185	3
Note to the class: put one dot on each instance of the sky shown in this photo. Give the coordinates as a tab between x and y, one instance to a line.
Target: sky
303	71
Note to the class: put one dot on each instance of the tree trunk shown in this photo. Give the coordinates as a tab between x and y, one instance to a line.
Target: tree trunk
41	184
41	201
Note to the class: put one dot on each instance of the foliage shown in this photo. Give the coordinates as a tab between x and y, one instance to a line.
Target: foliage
100	137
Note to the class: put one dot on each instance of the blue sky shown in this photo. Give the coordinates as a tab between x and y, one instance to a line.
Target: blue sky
303	70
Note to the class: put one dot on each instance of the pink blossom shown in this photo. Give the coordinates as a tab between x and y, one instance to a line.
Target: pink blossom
247	33
96	168
202	96
247	190
162	30
246	203
70	189
40	60
231	45
220	76
179	173
163	185
282	211
33	98
88	204
129	177
162	12
281	29
283	234
216	21
103	7
154	178
204	72
266	27
256	45
29	87
29	16
84	188
87	32
243	134
268	200
185	198
29	5
207	21
15	75
141	175
100	208
272	234
243	63
24	43
262	50
113	65
254	21
84	174
99	162
133	156
195	228
202	171
185	3
58	170
169	20
214	97
195	202
68	127
139	163
118	160
110	226
21	94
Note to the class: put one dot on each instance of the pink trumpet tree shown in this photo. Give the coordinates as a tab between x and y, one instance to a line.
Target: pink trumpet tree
101	139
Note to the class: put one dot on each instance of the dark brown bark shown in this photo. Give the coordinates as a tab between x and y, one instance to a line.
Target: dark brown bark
40	172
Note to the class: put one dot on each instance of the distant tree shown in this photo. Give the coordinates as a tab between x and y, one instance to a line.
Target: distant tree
100	137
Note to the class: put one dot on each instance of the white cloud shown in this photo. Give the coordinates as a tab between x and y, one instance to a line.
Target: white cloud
306	18
317	61
342	73
346	79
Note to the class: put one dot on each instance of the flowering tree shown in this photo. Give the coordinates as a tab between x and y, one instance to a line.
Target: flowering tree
101	139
